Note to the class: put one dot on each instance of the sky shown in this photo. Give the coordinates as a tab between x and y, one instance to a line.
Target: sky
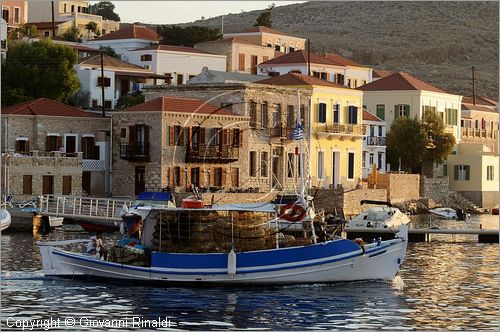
170	12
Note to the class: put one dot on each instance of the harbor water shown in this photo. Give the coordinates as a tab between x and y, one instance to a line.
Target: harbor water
441	285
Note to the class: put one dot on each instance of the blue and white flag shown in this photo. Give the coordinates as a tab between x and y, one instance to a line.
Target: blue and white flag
298	133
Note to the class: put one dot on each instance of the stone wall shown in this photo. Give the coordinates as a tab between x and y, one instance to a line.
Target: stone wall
400	187
434	189
329	200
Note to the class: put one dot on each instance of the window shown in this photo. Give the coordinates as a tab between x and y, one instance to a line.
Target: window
218	177
146	57
445	169
22	145
491	125
462	173
349	82
253	164
53	143
451	116
363	159
380	160
339	79
364	82
27	184
253	61
316	74
123	132
401	110
290	165
336	113
178	138
66	185
78	9
290	119
381	112
354	83
490	173
370	160
88	147
215	136
195	176
263	115
236	137
177	176
168	78
277	48
353	115
300	157
65	8
350	166
477	124
107	81
17	11
72	8
263	164
253	114
94	103
291	49
321	164
276	116
321	112
46	34
324	76
426	109
107	104
241	62
180	79
5	14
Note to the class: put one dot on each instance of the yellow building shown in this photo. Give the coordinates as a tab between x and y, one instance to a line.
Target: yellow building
335	130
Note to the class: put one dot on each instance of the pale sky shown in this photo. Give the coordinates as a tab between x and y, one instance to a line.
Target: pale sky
170	12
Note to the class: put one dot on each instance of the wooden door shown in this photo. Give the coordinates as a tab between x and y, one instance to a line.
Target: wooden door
66	188
86	182
140	184
48	185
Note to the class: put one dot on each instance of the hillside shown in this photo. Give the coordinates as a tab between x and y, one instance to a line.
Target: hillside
438	42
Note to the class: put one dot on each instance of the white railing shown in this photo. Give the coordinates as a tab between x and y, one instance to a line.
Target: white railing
82	208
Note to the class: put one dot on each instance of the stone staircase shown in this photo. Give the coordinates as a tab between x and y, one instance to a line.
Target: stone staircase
457	200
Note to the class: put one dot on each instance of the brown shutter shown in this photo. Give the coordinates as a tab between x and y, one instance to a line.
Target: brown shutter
188	176
146	138
66	189
18	146
83	149
171	176
27	146
59	142
190	136
241	138
47	144
181	136
224	136
181	176
202	135
223	177
171	137
212	177
241	62
231	137
132	135
27	184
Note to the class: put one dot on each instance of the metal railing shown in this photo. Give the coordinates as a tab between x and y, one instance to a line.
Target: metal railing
138	151
82	208
204	152
345	129
479	133
376	141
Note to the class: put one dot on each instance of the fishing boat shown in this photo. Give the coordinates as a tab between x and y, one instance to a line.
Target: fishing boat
5	219
449	213
384	215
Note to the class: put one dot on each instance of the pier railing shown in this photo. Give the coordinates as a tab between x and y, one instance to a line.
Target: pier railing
82	208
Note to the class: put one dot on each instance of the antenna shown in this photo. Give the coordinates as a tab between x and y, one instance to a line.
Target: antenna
473	86
308	57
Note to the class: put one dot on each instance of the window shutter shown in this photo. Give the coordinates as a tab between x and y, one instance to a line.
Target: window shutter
27	146
231	137
181	176
190	136
146	137
47	144
224	136
84	148
202	135
181	136
456	172
212	177
59	142
467	173
132	135
407	111
18	146
171	176
223	177
396	112
171	136
241	138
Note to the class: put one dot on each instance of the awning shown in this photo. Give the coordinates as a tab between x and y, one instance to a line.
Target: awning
138	74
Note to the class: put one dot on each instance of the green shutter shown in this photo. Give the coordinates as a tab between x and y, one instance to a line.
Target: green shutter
467	173
407	111
396	112
456	172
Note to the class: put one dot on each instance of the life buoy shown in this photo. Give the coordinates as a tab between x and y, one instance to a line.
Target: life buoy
292	212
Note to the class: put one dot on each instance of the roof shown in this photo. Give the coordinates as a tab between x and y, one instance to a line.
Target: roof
231	40
132	32
173	48
76	46
109	62
299	79
44	25
340	59
261	29
299	56
381	73
480	100
46	107
367	116
479	108
208	76
399	81
178	105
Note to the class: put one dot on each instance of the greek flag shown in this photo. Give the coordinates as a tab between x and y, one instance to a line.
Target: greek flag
298	133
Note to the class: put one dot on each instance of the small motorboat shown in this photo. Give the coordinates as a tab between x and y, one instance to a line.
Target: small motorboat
449	213
383	216
5	219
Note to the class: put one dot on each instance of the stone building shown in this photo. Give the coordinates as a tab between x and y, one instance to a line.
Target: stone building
270	158
52	148
179	143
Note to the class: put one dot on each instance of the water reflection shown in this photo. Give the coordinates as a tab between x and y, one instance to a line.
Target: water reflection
446	285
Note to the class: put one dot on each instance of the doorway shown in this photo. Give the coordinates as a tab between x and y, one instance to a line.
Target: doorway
86	182
70	145
335	168
140	184
48	185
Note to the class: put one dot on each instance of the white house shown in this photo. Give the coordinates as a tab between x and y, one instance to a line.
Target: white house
374	144
3	37
125	39
177	64
331	67
120	78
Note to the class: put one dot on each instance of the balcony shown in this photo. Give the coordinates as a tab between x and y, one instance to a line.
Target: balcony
280	132
134	152
376	141
342	130
479	133
212	153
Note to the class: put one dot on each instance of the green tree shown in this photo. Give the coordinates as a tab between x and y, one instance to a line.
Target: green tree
106	9
132	99
187	36
265	18
109	51
39	69
91	27
72	34
406	140
28	30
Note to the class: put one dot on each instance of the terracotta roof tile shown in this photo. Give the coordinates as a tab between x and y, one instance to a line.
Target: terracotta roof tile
399	81
367	116
340	59
109	62
132	32
173	48
299	79
480	108
46	107
381	73
299	57
178	105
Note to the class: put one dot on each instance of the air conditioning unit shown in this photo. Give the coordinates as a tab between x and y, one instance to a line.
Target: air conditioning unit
147	66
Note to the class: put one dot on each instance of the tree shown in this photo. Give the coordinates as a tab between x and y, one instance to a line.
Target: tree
91	27
39	69
28	30
109	51
265	18
406	140
72	35
187	36
105	9
132	99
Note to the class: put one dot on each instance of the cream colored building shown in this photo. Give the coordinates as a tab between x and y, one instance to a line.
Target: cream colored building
479	124
241	55
278	41
473	172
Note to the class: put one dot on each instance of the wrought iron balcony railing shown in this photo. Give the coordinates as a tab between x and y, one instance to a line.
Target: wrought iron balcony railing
211	153
345	129
134	152
376	141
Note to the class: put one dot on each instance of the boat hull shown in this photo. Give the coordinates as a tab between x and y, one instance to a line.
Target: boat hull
379	262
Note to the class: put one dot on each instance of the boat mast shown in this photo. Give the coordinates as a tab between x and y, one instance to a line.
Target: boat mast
301	161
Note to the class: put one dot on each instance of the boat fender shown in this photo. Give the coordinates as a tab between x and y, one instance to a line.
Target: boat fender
231	263
359	241
292	212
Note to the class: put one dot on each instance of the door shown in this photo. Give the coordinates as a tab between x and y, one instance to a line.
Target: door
48	185
66	189
140	185
335	168
86	182
124	87
70	145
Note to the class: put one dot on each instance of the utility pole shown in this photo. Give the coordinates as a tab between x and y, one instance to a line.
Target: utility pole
308	57
102	82
53	21
473	86
222	28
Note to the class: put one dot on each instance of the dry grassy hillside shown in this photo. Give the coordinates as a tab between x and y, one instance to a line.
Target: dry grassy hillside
435	41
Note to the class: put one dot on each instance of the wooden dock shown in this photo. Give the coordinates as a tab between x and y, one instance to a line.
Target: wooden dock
422	234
